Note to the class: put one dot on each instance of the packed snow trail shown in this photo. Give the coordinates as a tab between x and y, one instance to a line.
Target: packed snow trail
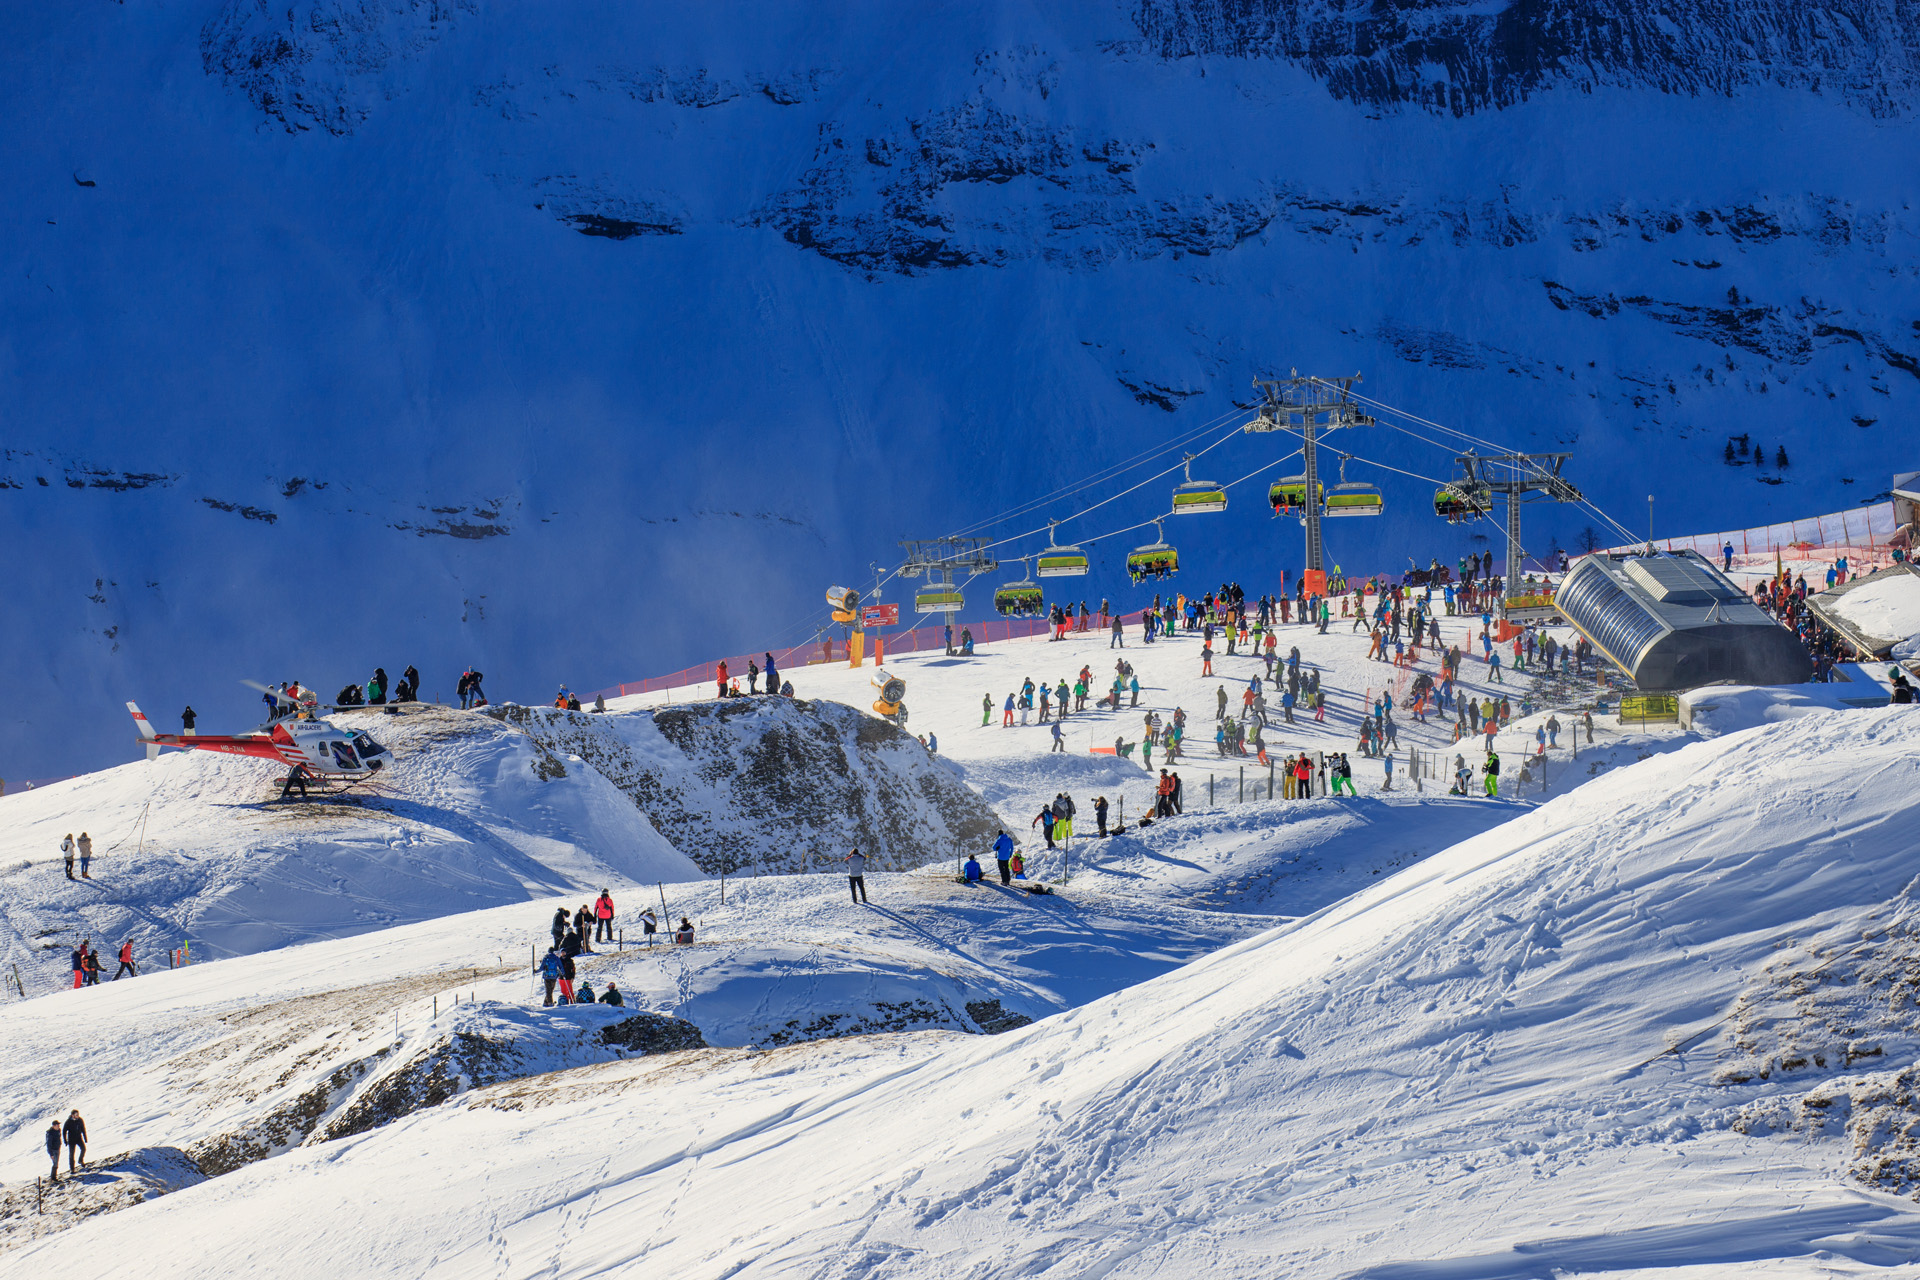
1460	1070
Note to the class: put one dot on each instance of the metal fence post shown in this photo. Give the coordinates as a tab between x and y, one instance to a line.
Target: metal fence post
1243	784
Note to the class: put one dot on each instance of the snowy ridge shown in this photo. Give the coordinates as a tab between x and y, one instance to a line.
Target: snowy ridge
1534	1024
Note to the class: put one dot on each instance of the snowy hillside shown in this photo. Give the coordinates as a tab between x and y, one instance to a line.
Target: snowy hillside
1655	1024
585	342
478	809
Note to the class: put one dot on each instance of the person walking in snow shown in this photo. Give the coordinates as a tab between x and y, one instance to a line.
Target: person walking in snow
1206	660
1059	742
857	876
1003	854
79	961
603	917
86	856
1220	702
75	1132
53	1149
126	961
66	847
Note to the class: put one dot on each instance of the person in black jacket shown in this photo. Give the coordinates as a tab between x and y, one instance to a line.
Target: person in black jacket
561	920
53	1148
186	722
75	1132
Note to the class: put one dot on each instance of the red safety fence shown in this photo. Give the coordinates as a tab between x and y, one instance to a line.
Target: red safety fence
832	649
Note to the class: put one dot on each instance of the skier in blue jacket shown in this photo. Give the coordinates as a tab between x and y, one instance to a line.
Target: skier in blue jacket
1003	853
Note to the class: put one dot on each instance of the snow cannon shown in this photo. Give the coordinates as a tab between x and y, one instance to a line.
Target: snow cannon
893	692
845	604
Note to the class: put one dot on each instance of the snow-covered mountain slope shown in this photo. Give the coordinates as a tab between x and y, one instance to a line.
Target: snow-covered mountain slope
583	343
195	846
1562	1046
478	809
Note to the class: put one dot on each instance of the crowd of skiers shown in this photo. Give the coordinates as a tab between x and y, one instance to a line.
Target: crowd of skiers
575	931
86	963
755	675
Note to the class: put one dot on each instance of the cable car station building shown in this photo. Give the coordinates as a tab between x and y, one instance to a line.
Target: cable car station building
1673	621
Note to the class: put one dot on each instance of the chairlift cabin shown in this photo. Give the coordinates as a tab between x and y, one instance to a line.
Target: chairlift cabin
1353	498
1456	504
1288	496
1061	562
1198	497
1020	599
1155	560
939	597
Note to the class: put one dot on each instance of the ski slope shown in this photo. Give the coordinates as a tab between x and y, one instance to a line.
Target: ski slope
1639	1029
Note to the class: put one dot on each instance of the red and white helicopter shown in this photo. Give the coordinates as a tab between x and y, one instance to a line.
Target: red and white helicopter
313	749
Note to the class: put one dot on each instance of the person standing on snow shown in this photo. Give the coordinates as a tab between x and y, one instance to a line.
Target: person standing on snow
79	961
561	919
603	917
720	680
187	719
1059	742
1003	854
75	1132
1100	813
1045	822
857	876
986	709
66	847
53	1148
753	676
1006	720
1492	769
126	961
86	856
550	971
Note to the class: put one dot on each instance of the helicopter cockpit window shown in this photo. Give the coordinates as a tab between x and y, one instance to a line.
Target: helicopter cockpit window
343	756
368	747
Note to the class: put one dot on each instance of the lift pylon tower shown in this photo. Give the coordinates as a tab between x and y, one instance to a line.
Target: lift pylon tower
1515	475
1308	407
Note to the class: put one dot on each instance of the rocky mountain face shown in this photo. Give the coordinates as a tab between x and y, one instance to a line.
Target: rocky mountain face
755	785
497	333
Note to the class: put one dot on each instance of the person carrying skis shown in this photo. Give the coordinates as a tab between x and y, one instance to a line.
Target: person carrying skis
603	917
857	876
1003	853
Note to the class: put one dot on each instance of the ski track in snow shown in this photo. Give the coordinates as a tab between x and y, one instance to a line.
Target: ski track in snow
1399	1036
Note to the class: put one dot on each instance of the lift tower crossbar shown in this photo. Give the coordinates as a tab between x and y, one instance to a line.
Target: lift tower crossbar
1308	407
1515	475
